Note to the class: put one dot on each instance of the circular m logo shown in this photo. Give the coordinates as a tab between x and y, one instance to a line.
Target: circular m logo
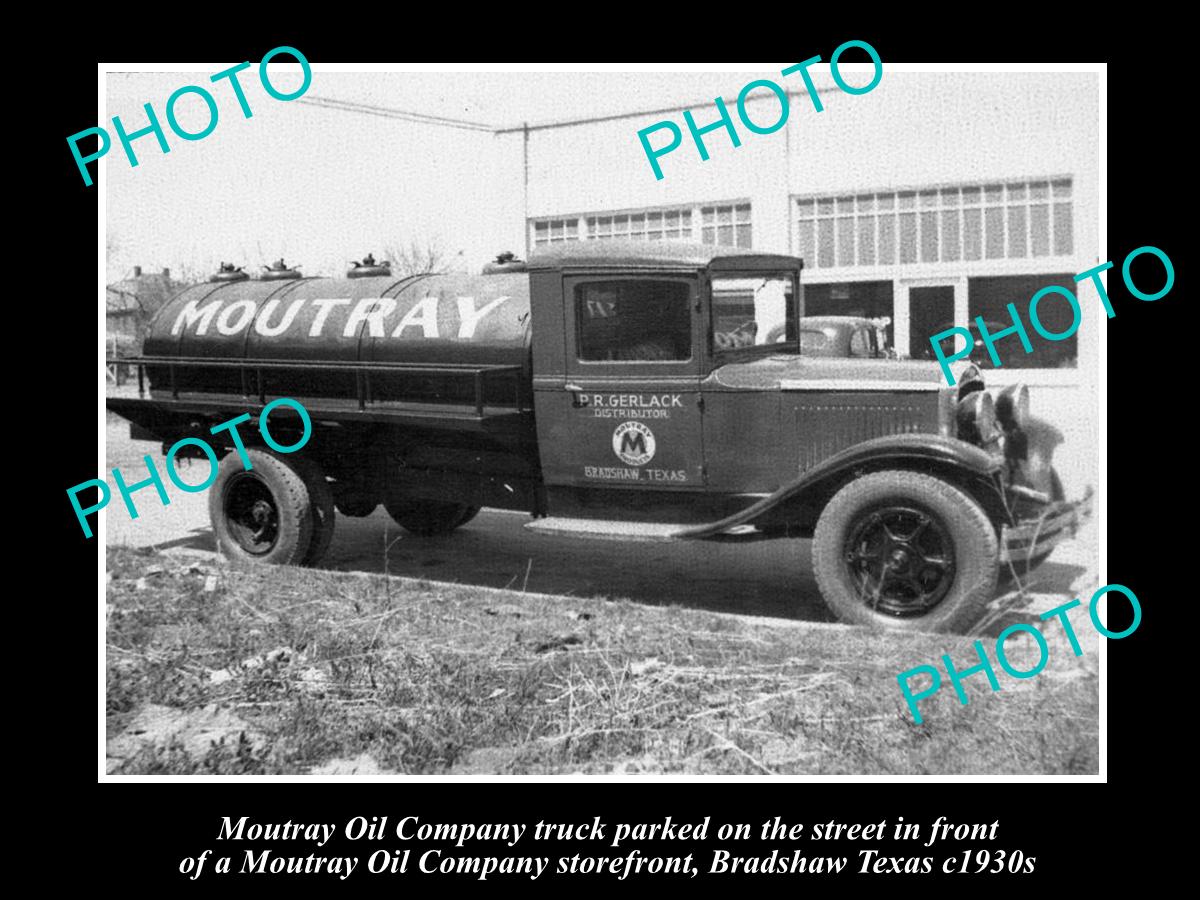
633	443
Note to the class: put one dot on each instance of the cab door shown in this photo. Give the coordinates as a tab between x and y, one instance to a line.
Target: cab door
629	412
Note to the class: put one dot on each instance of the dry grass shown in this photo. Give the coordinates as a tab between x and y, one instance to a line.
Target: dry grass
313	666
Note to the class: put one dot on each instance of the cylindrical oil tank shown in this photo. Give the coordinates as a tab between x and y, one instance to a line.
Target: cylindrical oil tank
443	322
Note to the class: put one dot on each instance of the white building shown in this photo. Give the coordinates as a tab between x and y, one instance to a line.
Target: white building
933	199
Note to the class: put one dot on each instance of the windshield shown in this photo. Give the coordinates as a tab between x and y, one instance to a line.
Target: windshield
753	311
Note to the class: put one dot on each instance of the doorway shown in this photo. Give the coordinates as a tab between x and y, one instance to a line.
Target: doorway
931	309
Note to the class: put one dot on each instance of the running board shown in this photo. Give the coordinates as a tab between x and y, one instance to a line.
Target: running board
622	530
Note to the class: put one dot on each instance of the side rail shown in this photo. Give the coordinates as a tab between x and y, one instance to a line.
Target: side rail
252	370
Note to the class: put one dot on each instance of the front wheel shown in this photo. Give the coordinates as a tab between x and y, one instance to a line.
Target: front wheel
906	551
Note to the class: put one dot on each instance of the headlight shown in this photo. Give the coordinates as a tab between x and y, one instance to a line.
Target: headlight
1012	407
977	419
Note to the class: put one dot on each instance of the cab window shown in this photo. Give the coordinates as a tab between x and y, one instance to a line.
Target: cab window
643	321
752	311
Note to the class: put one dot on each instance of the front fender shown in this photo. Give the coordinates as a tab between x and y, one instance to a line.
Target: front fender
955	460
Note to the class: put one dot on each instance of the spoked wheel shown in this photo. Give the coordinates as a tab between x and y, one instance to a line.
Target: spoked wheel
901	560
906	551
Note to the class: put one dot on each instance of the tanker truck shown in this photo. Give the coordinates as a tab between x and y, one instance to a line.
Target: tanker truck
625	391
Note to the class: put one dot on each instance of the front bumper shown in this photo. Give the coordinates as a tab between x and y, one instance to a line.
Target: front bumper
1034	537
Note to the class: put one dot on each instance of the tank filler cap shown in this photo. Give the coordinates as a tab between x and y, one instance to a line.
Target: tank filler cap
368	268
227	272
505	262
279	271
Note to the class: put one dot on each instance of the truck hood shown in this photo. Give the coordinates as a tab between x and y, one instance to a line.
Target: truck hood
794	372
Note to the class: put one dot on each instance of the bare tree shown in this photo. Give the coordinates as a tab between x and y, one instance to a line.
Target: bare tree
418	258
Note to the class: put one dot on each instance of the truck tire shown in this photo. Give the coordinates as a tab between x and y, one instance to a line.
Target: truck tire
428	518
320	493
905	551
262	514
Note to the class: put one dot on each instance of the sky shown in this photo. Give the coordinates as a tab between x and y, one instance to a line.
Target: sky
322	186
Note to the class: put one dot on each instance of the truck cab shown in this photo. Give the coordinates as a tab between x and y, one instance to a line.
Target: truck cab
631	411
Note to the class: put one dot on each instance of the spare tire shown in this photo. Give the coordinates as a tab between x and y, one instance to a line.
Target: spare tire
428	518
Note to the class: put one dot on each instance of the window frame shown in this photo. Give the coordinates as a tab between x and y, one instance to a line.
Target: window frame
585	368
722	356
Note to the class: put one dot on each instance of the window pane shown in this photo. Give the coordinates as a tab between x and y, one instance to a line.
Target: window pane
845	204
866	240
1016	231
929	198
708	213
972	234
751	312
1063	242
1015	192
825	207
1039	190
866	202
1039	229
845	240
929	237
743	235
908	238
908	200
806	246
887	201
993	193
633	320
1062	189
743	212
950	248
989	298
725	235
887	240
949	196
824	242
724	215
806	207
994	229
970	196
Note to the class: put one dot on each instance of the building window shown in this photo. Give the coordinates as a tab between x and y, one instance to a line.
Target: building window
726	226
554	231
989	297
1002	220
652	225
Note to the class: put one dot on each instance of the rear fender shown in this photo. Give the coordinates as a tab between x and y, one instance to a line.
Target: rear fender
801	500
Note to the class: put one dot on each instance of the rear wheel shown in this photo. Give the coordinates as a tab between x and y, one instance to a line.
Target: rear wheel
264	513
906	551
428	518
